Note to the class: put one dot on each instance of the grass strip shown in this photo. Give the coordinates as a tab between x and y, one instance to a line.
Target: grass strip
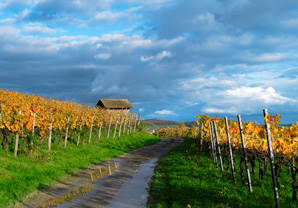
24	175
180	181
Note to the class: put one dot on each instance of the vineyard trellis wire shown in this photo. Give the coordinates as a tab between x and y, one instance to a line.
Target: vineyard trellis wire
283	139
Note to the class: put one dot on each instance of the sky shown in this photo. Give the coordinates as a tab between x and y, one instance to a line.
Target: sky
172	59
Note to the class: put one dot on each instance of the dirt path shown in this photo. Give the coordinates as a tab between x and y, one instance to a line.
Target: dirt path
119	182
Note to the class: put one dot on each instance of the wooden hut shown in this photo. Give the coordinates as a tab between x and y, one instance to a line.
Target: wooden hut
115	105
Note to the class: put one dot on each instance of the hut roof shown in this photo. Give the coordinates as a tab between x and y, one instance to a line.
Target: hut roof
114	103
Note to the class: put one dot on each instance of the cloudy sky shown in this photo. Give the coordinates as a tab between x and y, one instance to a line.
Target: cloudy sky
172	59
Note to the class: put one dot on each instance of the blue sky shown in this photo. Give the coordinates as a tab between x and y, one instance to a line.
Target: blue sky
172	59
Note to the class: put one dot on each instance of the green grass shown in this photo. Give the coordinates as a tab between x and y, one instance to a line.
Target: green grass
181	182
24	175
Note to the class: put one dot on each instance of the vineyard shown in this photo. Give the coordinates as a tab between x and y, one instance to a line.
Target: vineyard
29	122
248	144
43	140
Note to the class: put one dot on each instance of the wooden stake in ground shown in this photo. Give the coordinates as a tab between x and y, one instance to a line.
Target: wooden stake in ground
244	153
33	127
218	147
271	155
109	127
120	127
66	133
123	132
212	133
116	126
136	119
212	147
130	124
17	140
79	136
139	120
50	134
230	150
90	135
99	131
201	141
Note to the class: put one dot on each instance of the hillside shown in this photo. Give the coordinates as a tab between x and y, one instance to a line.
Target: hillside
158	122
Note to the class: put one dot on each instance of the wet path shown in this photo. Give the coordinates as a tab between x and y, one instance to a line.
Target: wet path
119	182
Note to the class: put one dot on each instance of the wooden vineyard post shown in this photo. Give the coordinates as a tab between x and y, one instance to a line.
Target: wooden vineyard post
212	147
218	147
99	131
123	132
116	126
50	134
66	134
230	150
79	136
244	153
139	120
17	140
130	126
120	126
109	127
33	126
271	155
201	141
136	119
213	139
90	135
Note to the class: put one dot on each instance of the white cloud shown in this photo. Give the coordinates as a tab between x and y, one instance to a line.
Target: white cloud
270	57
146	58
232	110
244	100
291	23
159	56
103	56
164	54
265	96
165	112
114	15
16	2
108	16
23	14
191	103
8	20
38	29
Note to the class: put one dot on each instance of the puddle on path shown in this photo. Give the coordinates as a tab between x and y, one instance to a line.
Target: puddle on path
133	194
80	191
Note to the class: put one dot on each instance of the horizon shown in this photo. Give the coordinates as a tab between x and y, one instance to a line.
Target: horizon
171	59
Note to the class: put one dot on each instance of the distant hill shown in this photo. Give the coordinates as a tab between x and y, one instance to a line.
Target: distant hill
190	123
155	122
